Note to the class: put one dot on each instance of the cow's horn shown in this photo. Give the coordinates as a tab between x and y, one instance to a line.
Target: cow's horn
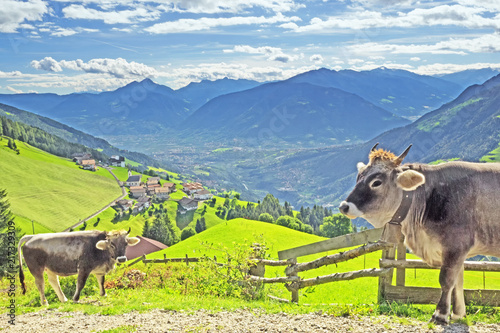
374	147
128	232
401	157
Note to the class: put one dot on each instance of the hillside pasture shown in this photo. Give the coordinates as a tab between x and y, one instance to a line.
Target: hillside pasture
52	191
224	237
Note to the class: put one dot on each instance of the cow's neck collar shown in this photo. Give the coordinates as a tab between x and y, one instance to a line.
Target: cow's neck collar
403	209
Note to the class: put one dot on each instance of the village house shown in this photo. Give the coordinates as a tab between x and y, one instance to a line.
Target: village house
137	191
153	181
116	160
161	193
187	204
79	157
202	195
125	204
190	188
133	180
140	206
88	165
170	186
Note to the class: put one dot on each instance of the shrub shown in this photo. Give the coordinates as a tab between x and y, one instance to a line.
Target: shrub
187	232
266	217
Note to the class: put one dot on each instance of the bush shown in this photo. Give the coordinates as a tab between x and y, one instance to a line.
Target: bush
266	217
187	232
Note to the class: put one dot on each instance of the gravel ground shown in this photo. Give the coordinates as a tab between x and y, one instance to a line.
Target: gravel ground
235	321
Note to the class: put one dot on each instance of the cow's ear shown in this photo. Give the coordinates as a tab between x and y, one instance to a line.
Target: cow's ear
410	180
360	166
131	241
102	245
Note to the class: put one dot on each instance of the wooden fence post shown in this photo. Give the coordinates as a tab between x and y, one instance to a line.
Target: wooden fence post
400	272
383	281
258	268
293	287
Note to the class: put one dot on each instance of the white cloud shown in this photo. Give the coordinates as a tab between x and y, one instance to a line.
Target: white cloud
439	68
181	76
119	68
198	6
137	14
272	53
231	6
13	90
415	59
77	83
47	64
207	23
484	44
316	58
444	15
14	13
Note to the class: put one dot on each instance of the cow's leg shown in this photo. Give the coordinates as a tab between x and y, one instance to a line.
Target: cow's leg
54	282
100	281
452	265
80	283
37	272
458	299
40	285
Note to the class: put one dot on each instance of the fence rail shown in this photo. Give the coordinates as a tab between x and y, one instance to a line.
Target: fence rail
393	260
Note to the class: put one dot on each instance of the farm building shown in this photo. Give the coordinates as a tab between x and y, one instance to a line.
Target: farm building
187	204
145	246
202	195
88	165
133	180
170	186
116	160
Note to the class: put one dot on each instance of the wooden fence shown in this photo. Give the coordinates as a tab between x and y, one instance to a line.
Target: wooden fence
390	245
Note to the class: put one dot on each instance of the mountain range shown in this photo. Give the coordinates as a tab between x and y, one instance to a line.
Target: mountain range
149	108
466	128
299	139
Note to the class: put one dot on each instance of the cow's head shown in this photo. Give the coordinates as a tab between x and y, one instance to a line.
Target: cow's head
116	243
379	187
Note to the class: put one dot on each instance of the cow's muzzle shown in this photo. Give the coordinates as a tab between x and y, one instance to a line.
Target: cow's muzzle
121	259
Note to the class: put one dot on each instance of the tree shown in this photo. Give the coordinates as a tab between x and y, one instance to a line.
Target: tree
162	230
266	217
336	225
10	234
187	232
237	195
200	225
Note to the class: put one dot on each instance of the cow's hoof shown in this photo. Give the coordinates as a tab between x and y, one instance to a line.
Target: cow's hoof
439	319
45	303
457	316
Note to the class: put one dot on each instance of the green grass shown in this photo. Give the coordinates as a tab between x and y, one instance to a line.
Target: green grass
492	156
183	288
52	191
445	117
444	161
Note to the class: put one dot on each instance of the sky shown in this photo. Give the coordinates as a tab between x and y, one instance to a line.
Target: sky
68	46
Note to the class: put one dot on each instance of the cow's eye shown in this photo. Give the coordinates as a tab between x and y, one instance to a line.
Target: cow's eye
376	183
113	246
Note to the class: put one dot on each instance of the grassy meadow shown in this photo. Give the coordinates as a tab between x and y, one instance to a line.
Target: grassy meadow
204	286
52	191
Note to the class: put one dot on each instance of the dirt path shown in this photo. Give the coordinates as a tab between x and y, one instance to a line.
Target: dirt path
124	194
235	321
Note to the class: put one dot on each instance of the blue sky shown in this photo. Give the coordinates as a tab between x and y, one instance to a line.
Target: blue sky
98	45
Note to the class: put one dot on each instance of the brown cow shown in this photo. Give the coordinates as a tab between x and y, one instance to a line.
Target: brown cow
70	253
447	212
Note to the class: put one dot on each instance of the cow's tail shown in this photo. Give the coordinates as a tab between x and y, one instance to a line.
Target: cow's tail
23	240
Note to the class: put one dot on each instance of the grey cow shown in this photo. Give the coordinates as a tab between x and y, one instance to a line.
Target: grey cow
70	253
447	212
